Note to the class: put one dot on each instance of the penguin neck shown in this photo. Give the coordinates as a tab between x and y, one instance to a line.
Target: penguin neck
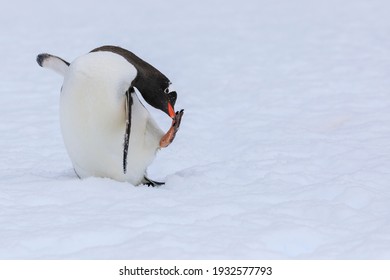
149	81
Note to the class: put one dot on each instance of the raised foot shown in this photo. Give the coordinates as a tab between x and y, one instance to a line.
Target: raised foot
170	135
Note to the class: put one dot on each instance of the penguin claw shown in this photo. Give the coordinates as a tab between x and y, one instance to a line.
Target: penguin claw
151	183
177	120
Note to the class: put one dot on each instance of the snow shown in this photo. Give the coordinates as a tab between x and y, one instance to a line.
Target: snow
283	152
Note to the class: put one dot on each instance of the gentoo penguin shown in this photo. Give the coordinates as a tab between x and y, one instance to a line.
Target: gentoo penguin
106	129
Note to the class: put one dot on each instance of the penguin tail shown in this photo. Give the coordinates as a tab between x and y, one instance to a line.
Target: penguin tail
53	62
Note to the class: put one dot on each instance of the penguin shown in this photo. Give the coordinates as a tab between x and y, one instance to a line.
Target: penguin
106	129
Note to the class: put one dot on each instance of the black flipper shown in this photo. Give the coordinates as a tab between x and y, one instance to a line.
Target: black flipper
45	56
53	62
151	183
128	104
76	173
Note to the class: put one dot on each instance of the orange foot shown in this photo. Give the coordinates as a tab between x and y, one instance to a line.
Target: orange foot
170	135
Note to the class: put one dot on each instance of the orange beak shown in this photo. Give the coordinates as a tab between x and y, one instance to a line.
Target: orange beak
171	111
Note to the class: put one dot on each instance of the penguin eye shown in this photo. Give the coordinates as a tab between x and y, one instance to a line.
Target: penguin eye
166	90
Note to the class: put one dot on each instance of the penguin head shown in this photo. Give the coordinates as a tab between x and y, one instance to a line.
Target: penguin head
150	82
155	90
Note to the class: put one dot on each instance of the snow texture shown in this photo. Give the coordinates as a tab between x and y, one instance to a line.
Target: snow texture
283	152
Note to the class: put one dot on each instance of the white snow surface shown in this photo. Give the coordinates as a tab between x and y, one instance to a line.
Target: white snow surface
283	152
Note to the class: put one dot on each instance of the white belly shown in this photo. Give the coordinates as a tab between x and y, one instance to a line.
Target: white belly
92	112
